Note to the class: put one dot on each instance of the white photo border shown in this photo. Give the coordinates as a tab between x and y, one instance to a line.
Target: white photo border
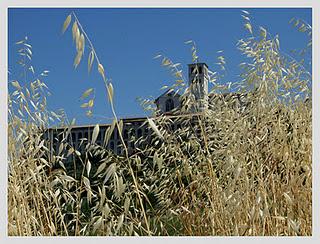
314	4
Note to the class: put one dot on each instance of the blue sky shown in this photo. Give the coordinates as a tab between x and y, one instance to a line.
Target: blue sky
126	41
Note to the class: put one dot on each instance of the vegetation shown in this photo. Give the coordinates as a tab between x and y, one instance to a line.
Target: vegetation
235	171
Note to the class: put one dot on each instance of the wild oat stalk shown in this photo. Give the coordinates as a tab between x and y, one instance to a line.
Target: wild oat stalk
243	167
78	33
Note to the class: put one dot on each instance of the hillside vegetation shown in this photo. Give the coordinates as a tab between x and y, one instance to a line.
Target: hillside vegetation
233	172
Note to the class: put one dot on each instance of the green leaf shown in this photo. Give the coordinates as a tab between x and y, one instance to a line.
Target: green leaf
66	23
86	93
86	182
110	92
88	167
245	12
89	113
263	32
100	168
245	17
16	84
90	103
74	30
291	20
155	128
95	134
20	42
84	105
101	70
77	59
90	60
165	62
248	27
109	172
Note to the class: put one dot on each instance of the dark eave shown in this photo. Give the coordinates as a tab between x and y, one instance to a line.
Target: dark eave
168	93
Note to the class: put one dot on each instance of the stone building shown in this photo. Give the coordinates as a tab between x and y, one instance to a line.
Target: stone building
136	131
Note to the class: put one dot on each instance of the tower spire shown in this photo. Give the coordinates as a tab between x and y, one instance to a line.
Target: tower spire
198	84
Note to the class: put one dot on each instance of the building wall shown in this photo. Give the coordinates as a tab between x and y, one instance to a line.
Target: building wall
161	102
135	133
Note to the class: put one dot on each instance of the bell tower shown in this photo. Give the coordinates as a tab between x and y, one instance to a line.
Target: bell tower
198	85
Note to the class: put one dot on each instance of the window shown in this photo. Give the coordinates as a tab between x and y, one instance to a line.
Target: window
172	127
169	105
119	150
139	134
73	137
56	146
60	137
112	146
196	70
103	134
131	144
125	134
54	136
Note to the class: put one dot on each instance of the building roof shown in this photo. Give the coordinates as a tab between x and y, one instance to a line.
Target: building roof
198	64
169	92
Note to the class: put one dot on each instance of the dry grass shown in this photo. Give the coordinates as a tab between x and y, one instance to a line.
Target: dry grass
233	172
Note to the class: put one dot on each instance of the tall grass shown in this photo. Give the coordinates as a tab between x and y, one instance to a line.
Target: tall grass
234	169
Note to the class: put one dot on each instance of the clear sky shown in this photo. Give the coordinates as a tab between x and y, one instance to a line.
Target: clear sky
126	41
